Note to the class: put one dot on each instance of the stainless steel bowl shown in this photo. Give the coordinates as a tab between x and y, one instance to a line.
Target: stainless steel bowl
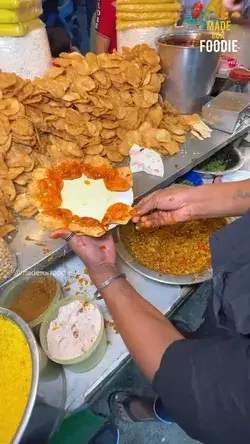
237	161
35	371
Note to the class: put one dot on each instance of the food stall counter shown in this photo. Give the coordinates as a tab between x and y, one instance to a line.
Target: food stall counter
35	251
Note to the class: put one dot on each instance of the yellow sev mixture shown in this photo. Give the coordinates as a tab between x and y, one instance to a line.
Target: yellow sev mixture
179	249
15	378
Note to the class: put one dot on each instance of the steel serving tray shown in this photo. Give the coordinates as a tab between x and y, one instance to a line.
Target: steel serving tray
165	278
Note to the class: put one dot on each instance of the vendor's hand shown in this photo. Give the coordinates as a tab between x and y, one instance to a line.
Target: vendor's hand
165	207
233	5
98	254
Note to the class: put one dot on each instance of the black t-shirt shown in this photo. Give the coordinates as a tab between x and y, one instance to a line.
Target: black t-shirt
204	383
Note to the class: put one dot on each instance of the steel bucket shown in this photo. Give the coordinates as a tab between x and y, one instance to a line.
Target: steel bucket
190	73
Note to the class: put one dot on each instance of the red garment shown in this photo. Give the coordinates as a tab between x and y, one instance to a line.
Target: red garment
106	21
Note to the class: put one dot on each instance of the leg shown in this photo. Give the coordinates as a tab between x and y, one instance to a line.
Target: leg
108	434
133	408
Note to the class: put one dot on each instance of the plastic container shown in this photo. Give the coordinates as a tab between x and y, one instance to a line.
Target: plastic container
27	56
236	176
89	359
12	292
8	262
132	37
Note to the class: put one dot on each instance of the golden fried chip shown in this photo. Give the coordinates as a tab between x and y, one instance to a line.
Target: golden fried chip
155	115
114	156
33	114
92	62
22	127
3	136
16	158
118	213
21	202
5	216
8	190
87	226
23	179
179	139
71	96
54	219
171	147
4	124
3	167
7	80
81	67
81	84
162	135
96	160
14	172
5	146
124	148
54	72
7	229
9	107
28	212
176	129
94	149
107	134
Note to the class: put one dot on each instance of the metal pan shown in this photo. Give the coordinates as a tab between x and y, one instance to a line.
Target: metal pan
172	279
166	278
232	155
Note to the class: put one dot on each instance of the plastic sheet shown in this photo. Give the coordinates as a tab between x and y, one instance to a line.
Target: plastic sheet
19	29
132	37
122	24
19	15
133	16
16	4
159	7
27	56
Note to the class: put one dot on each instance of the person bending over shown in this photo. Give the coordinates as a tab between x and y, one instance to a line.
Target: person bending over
204	382
105	26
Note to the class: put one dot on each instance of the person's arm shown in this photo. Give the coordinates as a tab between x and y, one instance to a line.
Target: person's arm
104	25
222	199
102	44
173	205
145	331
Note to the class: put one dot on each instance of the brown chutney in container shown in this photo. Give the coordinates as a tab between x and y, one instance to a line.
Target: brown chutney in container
35	298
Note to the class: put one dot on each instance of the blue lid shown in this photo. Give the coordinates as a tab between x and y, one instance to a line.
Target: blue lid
193	178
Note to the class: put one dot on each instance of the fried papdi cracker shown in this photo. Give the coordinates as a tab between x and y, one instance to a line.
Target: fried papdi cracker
87	226
5	216
118	213
7	229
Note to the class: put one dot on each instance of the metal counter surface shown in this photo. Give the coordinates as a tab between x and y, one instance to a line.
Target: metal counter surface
35	250
69	271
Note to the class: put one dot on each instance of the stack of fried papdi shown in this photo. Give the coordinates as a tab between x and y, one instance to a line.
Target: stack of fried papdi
92	108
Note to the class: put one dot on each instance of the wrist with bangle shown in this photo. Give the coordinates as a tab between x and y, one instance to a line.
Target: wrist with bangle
107	283
104	275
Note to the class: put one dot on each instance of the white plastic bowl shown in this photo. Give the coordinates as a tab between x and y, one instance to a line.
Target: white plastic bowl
236	176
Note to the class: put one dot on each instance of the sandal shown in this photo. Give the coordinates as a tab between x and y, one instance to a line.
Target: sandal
120	402
107	434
